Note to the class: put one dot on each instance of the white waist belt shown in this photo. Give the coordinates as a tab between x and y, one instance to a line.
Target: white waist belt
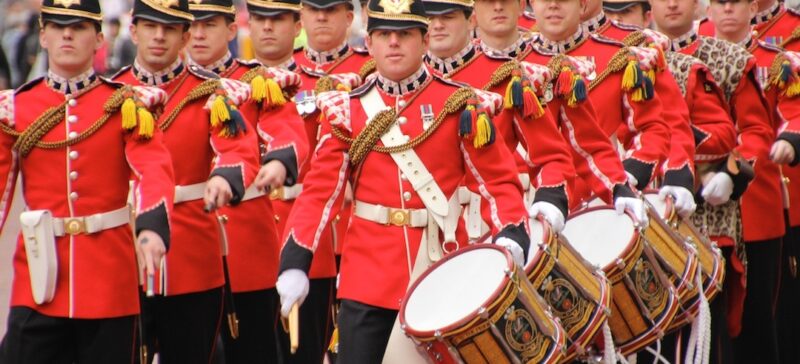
92	223
252	193
189	192
391	216
286	193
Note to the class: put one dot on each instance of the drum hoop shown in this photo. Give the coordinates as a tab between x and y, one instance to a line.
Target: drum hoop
547	231
463	321
672	214
611	270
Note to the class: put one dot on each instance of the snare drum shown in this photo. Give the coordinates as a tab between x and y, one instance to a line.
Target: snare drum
712	264
643	300
579	295
475	306
678	259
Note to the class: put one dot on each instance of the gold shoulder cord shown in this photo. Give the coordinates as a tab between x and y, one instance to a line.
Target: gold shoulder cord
634	39
31	136
616	64
367	139
795	35
204	89
501	74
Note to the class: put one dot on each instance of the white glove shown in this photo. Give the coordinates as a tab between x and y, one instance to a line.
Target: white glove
292	286
684	199
633	181
513	248
550	212
635	206
718	190
150	97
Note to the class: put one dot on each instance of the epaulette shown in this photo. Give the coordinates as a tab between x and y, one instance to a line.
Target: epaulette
335	107
121	71
606	40
570	75
29	85
638	66
359	49
367	68
475	122
271	86
202	73
785	73
651	39
7	107
520	92
623	26
136	108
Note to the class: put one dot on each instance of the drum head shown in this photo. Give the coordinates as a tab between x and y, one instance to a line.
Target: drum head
455	289
659	203
599	234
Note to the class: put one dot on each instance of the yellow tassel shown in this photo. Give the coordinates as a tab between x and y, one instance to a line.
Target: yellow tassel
146	122
275	93
484	133
259	87
342	87
128	114
629	80
508	100
219	111
638	94
793	89
334	345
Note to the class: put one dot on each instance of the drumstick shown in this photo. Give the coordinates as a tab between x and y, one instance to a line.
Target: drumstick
294	328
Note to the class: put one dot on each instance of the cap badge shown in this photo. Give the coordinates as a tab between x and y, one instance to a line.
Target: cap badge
67	3
396	7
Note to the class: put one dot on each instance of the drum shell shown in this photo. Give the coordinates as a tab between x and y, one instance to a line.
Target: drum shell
488	335
578	296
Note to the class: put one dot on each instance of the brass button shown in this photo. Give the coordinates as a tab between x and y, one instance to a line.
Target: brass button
73	175
72	102
402	120
407	196
73	196
72	119
73	155
72	134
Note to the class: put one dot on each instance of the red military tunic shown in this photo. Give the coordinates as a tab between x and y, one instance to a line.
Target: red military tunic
647	137
377	259
706	27
97	273
754	124
198	152
777	24
793	42
546	158
527	22
679	167
254	245
599	168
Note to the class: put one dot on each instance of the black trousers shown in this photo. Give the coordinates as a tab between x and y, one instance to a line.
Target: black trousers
788	316
258	315
34	338
183	328
316	324
758	342
363	332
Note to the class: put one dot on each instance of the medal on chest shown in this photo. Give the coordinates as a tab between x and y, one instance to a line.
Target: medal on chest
305	101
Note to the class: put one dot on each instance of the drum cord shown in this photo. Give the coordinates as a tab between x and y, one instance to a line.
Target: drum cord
657	357
699	348
609	353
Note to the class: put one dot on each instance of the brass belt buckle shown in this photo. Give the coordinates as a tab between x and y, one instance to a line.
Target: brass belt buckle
74	226
399	217
276	194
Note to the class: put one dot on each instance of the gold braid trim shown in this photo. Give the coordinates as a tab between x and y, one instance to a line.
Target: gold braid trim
367	68
204	89
324	84
502	73
359	147
616	64
795	35
32	135
634	39
555	64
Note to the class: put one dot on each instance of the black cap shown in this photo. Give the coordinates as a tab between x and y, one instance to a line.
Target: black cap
617	6
324	4
439	7
67	12
273	7
163	11
396	15
205	9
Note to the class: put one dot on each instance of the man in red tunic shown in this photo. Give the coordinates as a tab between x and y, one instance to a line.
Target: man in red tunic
735	71
75	292
215	157
399	198
253	236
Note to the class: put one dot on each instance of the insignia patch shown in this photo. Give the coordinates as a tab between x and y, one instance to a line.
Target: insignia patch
67	3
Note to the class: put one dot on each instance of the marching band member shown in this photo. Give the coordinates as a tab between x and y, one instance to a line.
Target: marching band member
636	12
619	103
543	162
77	139
678	169
734	70
405	166
254	246
215	157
